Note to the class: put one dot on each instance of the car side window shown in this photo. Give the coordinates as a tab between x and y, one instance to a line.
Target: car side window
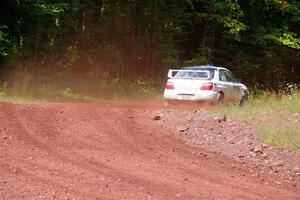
229	76
234	78
222	76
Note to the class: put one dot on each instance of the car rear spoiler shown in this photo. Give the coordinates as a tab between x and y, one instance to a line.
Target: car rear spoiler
175	71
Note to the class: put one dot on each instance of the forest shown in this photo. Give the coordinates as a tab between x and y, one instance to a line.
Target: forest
111	47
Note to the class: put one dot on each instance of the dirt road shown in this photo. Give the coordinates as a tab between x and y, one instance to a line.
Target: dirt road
93	151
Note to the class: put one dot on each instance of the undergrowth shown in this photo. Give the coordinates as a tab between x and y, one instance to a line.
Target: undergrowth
274	116
69	86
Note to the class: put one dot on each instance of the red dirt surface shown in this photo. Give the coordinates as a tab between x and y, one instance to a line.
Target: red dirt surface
94	151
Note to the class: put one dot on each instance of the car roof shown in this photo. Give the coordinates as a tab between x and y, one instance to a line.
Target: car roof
203	67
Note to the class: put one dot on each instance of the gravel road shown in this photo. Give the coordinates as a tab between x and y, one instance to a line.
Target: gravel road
132	151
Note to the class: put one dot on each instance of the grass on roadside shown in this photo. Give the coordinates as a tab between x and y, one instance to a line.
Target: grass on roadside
275	118
139	93
16	99
59	85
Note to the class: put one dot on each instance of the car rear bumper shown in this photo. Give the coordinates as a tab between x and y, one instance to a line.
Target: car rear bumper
200	96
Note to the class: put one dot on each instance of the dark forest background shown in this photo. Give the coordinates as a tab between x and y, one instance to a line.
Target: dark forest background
112	47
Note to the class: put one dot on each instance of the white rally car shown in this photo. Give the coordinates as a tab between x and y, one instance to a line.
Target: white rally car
204	83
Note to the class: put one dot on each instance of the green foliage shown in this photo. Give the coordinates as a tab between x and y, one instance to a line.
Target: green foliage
196	60
286	38
229	16
70	58
6	45
234	27
3	89
257	40
43	8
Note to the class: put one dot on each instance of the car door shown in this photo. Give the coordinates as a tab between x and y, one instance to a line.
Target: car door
226	85
235	86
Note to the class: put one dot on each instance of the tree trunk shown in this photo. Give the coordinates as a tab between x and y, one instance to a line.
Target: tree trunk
97	12
208	34
128	51
150	52
80	17
37	37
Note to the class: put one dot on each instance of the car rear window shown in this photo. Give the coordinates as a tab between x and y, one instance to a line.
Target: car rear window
211	70
191	74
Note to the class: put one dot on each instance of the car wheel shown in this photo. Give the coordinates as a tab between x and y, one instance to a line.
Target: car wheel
221	98
244	99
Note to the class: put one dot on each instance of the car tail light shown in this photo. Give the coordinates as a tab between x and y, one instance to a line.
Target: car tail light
169	86
207	86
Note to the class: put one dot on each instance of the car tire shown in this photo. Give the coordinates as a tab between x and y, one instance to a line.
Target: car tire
221	98
244	99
